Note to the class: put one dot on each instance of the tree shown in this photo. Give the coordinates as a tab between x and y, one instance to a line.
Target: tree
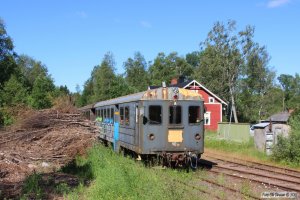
41	92
291	89
193	58
30	69
256	80
222	62
135	73
13	93
7	56
103	77
235	67
165	68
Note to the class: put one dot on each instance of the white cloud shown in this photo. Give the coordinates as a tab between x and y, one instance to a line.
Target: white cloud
82	14
145	24
277	3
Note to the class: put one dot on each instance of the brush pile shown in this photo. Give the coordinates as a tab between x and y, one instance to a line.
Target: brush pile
43	141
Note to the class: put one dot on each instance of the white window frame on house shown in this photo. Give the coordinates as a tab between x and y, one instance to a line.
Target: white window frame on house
207	118
211	100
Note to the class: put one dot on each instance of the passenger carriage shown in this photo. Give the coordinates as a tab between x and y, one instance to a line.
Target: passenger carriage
166	122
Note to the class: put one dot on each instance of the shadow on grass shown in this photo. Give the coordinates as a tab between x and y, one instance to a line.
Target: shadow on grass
55	184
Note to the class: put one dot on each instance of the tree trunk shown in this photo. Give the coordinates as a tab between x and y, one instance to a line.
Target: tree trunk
233	106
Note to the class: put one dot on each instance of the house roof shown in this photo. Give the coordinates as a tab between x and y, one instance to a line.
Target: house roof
261	125
207	90
279	117
188	83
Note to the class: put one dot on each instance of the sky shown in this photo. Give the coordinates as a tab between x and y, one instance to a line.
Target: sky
71	36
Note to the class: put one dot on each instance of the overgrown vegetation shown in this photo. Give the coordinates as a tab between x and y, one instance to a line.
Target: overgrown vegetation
285	153
116	177
287	150
103	174
212	141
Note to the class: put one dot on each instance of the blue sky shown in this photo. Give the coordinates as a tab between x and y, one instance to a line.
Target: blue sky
71	37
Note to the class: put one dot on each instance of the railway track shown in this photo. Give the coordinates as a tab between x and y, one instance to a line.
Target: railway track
258	173
295	178
216	186
257	165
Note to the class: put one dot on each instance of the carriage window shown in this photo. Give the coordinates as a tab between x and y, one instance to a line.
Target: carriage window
175	115
127	121
155	114
104	114
194	114
107	113
121	115
101	114
111	115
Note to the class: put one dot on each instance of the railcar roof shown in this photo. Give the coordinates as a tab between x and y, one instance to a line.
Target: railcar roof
87	107
161	93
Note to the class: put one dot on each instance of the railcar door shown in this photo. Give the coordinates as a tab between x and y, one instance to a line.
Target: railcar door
194	126
154	126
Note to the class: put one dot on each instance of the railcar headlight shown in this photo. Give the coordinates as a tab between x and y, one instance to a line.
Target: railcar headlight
197	136
151	136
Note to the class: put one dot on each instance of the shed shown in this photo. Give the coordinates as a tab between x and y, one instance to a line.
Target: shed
266	133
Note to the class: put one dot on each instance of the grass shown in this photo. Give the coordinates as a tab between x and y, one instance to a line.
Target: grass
243	150
117	177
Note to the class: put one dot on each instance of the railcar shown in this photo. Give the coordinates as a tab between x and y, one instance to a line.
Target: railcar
165	124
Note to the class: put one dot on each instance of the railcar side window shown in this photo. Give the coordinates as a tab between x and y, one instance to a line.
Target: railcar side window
121	115
104	114
111	115
127	120
194	114
155	114
175	114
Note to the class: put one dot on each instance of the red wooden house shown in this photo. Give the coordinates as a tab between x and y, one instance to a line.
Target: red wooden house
214	105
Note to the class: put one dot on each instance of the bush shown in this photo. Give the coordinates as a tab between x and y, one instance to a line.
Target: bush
288	149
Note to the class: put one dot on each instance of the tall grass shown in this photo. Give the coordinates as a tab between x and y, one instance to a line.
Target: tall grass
116	177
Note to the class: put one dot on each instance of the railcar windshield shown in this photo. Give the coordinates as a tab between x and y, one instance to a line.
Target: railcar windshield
194	114
175	114
155	115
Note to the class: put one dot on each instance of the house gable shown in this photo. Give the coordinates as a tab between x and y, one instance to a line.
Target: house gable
195	85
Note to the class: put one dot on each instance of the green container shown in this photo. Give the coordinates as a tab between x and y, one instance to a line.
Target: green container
238	132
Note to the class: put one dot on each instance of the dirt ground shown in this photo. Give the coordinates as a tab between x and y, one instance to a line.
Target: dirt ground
42	142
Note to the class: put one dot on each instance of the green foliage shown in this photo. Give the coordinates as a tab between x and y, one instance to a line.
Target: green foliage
32	188
165	68
6	118
13	93
30	69
135	73
41	92
7	55
287	149
291	89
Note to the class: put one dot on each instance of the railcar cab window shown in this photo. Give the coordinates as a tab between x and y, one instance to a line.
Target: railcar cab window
194	114
155	115
175	115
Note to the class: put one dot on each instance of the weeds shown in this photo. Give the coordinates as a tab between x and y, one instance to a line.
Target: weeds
246	189
32	188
